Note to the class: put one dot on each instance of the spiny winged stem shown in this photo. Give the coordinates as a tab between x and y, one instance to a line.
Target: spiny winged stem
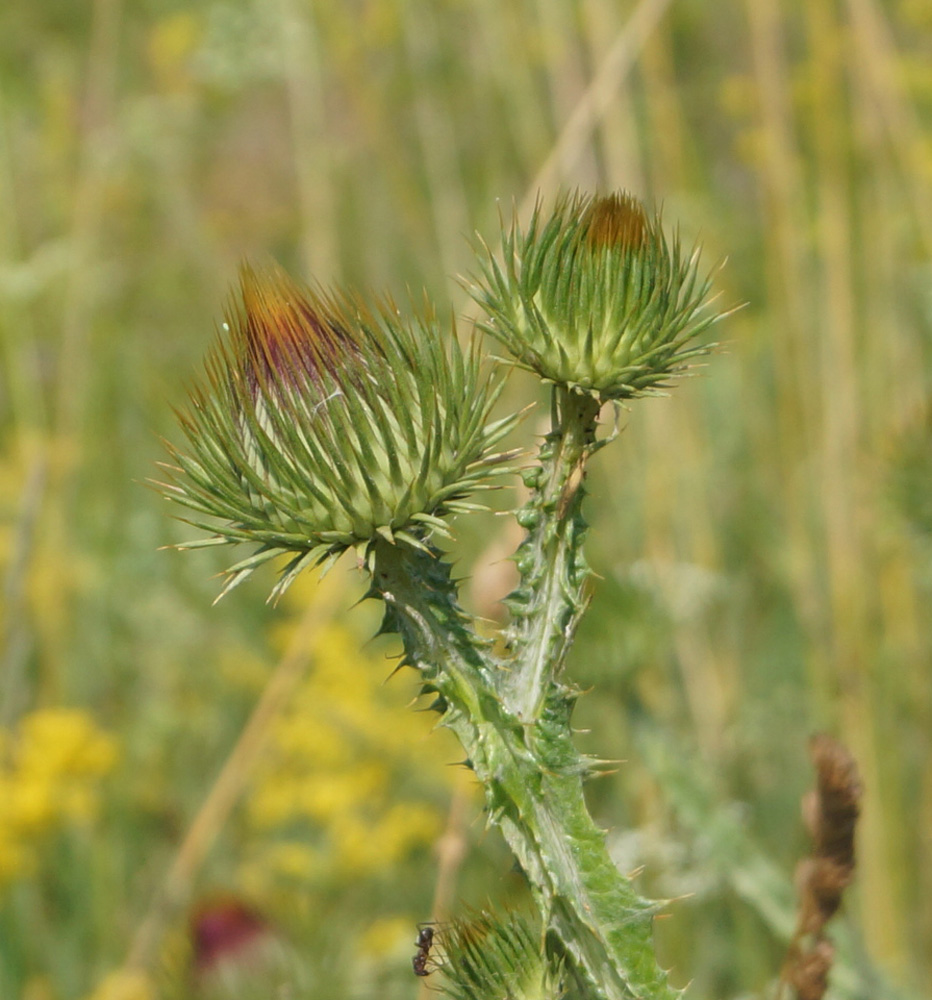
553	569
532	775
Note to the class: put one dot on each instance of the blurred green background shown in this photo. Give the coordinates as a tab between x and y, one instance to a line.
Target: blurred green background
763	537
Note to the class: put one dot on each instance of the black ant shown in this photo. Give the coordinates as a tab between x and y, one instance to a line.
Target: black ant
425	938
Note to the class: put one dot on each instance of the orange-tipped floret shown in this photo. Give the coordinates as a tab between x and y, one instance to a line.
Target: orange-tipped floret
286	333
617	221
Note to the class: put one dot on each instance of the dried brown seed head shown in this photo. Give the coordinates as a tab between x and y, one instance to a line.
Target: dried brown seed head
839	800
810	976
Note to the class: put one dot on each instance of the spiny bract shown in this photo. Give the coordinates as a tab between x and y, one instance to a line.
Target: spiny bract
324	423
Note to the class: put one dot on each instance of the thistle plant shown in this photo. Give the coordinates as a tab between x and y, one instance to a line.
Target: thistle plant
325	423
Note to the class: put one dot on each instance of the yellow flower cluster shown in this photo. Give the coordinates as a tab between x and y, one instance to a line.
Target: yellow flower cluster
124	985
50	768
346	787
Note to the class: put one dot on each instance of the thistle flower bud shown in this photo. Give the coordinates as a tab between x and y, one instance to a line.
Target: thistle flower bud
596	298
492	955
324	424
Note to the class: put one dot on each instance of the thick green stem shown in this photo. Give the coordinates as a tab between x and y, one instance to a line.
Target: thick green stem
533	778
545	607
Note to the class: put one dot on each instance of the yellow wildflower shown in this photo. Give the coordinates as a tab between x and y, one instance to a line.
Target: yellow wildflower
124	985
386	936
63	741
50	767
345	767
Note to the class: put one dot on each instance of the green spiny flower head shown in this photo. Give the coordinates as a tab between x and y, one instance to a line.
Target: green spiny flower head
596	298
497	956
324	424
